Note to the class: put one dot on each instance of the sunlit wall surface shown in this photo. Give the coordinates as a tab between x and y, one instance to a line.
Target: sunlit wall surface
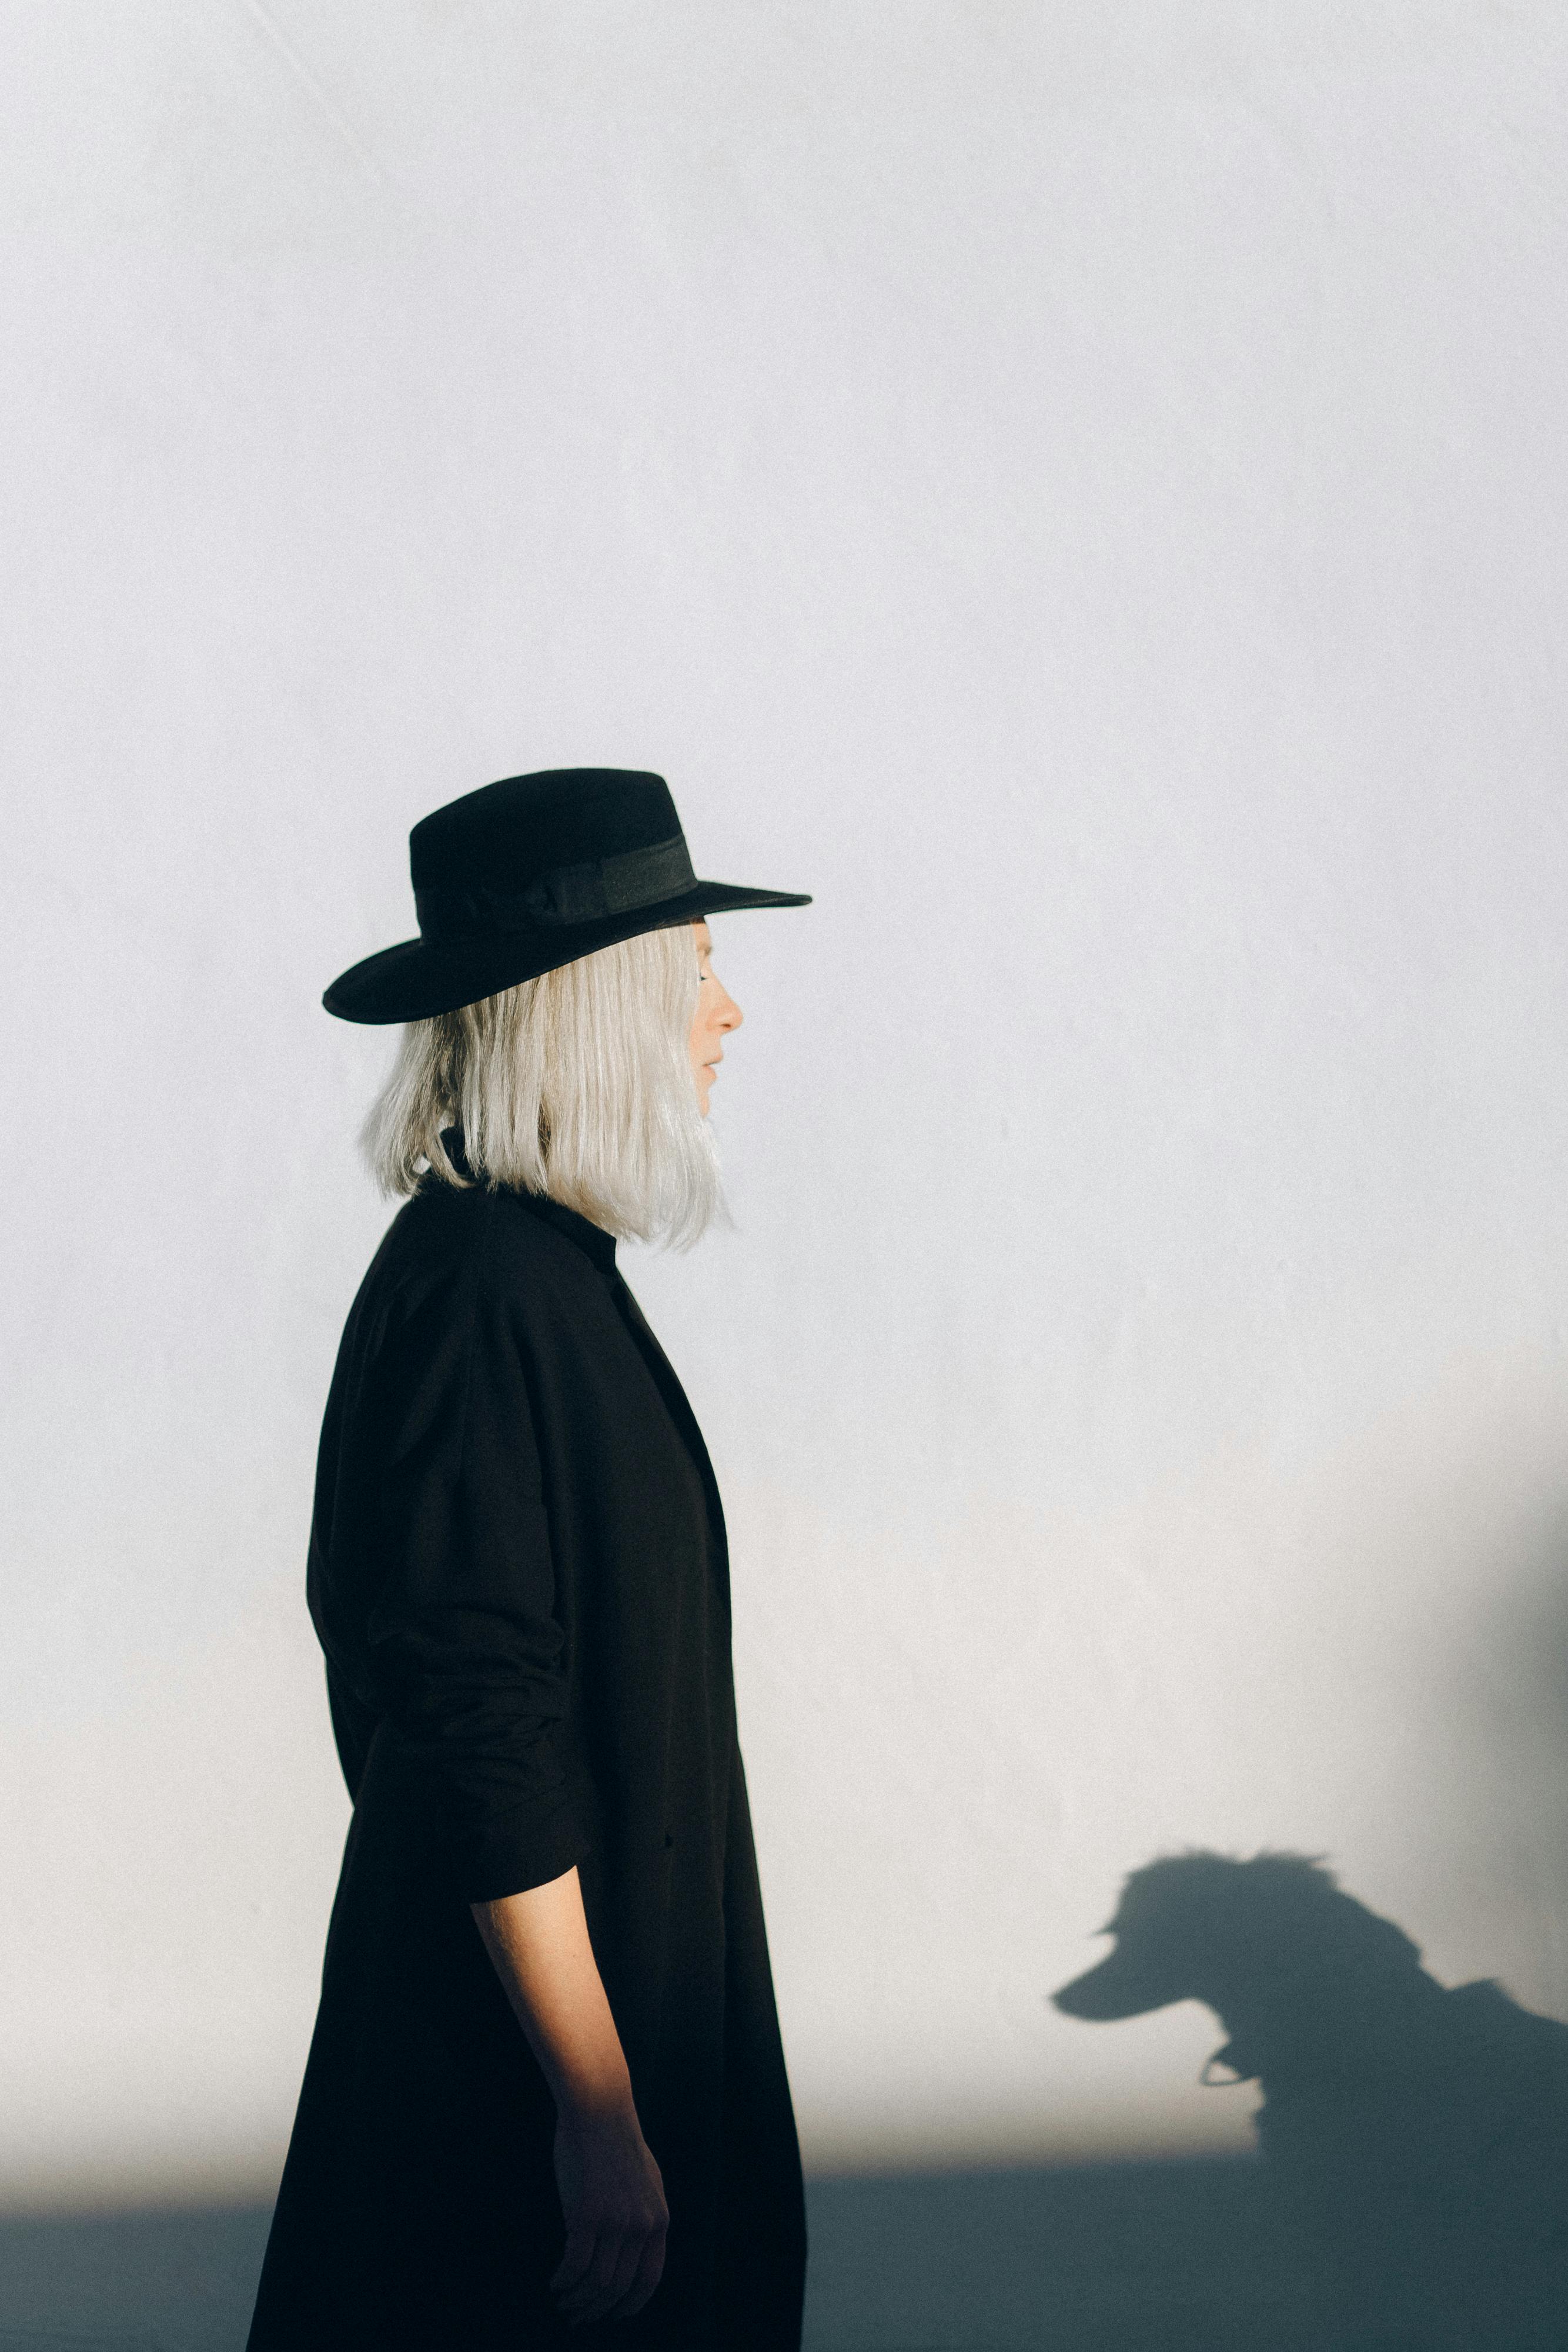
1077	487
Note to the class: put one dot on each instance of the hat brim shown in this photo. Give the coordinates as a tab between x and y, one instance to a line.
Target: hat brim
418	978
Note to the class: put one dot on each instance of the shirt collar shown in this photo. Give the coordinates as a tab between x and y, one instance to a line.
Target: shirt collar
589	1238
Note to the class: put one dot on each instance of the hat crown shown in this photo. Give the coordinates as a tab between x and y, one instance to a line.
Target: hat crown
509	833
528	874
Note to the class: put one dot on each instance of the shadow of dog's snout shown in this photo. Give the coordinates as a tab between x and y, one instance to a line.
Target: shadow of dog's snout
1121	1986
1168	1927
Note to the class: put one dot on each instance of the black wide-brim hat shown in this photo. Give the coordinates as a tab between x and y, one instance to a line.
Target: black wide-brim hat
531	873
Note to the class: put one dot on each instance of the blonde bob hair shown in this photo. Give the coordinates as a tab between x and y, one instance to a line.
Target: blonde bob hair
577	1084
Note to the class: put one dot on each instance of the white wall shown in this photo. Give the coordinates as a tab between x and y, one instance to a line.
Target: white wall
1076	486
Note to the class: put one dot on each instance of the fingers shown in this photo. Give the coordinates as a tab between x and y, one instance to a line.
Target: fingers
649	2272
614	2272
576	2258
613	2200
592	2294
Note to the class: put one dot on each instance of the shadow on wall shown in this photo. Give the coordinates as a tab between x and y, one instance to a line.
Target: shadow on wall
1414	2139
1412	2194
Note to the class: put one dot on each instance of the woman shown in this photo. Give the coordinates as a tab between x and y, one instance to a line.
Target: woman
517	1572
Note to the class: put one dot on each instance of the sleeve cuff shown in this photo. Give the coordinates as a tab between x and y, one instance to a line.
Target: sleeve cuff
526	1846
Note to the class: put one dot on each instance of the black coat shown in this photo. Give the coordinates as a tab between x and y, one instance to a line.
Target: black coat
519	1575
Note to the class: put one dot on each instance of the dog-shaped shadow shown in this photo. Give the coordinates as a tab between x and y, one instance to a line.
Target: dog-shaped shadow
1415	2137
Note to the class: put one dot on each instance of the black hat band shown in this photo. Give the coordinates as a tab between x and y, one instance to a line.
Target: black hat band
567	894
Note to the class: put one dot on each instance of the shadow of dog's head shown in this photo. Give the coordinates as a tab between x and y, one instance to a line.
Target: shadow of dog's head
1235	1935
1420	2134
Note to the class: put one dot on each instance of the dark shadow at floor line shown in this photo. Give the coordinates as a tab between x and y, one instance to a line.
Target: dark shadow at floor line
1190	2255
162	2280
1180	2257
1172	2257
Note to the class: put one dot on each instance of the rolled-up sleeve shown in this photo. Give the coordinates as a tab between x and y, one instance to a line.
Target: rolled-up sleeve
466	1633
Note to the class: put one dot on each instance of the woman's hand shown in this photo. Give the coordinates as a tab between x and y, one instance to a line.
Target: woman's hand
610	2192
613	2201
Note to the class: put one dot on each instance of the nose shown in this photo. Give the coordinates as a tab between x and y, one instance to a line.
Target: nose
730	1015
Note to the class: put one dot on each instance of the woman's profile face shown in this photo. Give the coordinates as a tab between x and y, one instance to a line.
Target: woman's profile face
717	1012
